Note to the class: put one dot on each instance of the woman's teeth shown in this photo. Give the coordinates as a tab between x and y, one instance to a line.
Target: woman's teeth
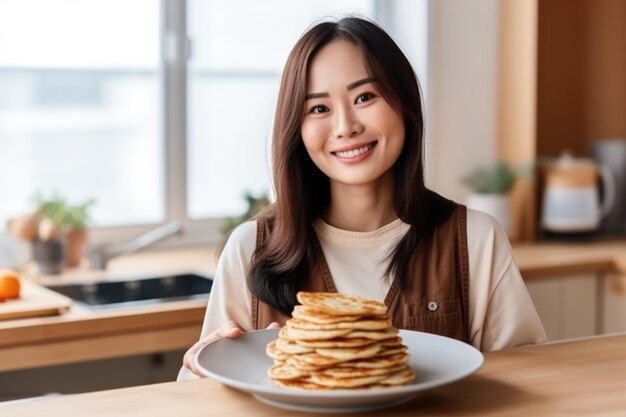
354	152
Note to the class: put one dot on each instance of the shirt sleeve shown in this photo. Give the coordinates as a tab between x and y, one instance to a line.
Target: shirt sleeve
230	298
502	314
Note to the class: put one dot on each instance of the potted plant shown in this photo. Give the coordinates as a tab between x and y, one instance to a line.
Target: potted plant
490	191
66	221
57	231
255	205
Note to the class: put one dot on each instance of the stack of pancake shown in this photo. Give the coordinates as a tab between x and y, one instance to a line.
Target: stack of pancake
338	341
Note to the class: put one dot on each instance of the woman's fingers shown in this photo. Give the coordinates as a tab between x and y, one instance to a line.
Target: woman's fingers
230	330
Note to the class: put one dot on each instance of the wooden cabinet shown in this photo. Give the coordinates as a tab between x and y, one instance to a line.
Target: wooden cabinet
581	74
580	305
566	305
615	304
562	84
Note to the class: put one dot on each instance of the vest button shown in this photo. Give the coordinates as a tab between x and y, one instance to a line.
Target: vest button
433	306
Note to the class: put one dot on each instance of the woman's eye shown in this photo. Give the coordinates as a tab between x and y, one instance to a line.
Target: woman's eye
319	109
364	97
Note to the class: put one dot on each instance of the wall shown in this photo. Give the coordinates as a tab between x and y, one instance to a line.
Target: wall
461	110
408	26
482	97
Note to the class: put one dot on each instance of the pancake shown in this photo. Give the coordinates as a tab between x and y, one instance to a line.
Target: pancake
399	378
342	304
317	316
290	347
378	361
388	333
367	324
292	333
338	341
274	352
285	371
334	382
299	383
360	372
348	354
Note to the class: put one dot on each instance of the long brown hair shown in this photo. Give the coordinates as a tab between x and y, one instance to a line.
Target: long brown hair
283	262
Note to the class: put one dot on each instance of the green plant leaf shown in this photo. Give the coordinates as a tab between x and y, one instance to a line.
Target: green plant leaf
255	205
66	216
498	179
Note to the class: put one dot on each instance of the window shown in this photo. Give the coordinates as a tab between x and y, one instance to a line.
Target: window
80	102
160	110
239	49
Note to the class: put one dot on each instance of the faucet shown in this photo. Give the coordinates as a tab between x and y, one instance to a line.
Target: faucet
101	254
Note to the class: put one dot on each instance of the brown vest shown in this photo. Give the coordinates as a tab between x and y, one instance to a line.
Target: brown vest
436	297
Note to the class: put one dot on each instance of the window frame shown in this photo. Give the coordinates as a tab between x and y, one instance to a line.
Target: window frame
176	51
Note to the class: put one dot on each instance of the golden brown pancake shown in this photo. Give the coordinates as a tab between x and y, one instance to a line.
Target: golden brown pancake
360	372
370	324
299	383
290	347
378	361
291	333
348	354
320	317
338	341
285	371
342	304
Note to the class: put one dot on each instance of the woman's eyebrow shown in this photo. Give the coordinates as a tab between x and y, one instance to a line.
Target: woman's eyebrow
350	86
316	95
356	84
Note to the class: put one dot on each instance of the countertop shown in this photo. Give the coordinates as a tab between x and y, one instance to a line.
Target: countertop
82	335
584	377
542	260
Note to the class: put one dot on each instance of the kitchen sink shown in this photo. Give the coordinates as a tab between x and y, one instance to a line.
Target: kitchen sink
102	295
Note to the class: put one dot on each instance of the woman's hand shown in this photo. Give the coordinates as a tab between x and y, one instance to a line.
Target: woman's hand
229	329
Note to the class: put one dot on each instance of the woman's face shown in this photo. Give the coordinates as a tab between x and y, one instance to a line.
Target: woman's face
350	131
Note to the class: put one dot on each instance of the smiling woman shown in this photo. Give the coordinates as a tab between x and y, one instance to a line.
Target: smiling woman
353	215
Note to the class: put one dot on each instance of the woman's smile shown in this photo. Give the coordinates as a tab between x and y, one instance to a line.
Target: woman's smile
356	153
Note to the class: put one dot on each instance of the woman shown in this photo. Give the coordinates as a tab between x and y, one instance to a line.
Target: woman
352	213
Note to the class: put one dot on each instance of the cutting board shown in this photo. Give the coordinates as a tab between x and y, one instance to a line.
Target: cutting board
34	301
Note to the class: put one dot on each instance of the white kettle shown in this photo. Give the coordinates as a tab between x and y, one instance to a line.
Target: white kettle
571	198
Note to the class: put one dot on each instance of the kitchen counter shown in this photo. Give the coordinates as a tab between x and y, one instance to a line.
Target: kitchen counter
82	335
540	260
583	377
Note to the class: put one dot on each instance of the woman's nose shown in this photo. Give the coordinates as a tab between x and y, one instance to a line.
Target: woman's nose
347	124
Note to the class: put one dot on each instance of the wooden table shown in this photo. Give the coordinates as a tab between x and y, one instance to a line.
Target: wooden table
584	377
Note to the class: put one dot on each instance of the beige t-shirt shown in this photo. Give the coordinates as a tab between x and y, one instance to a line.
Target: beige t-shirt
501	313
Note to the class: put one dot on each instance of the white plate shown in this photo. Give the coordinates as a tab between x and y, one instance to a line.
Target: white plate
242	363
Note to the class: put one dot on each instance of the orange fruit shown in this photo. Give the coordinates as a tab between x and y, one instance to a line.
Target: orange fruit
9	284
